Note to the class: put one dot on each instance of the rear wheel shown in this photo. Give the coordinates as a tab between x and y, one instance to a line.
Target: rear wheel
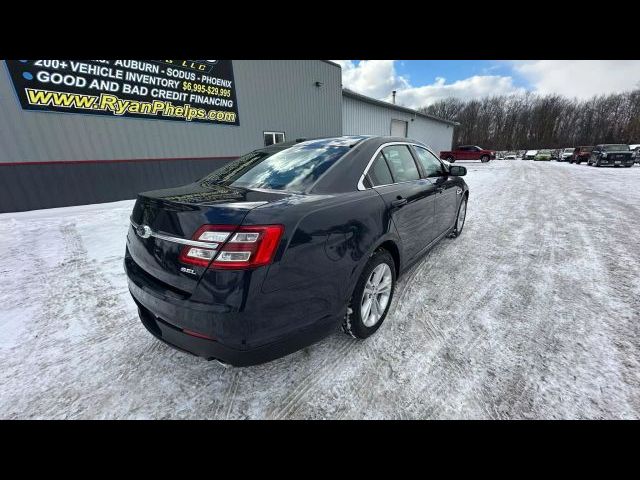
450	159
484	158
372	296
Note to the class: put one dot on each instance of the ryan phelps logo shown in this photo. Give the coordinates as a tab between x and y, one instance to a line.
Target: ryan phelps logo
119	107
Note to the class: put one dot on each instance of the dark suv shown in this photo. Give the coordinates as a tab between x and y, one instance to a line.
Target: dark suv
580	154
616	155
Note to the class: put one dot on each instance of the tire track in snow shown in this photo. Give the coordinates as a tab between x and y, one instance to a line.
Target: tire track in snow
332	362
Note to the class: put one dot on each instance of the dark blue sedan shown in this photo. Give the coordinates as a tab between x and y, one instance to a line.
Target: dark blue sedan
276	249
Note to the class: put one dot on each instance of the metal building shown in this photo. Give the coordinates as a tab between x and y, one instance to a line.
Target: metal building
362	115
53	159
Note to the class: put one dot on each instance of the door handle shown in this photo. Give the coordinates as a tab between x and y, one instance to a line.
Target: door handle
399	203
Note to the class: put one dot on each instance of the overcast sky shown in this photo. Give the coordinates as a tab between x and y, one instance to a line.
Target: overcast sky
422	82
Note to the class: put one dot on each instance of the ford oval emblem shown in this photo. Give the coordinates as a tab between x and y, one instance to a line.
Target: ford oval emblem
143	231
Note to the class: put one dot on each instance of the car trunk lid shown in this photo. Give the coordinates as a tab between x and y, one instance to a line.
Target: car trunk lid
162	220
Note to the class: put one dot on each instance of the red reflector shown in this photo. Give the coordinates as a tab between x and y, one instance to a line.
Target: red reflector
196	334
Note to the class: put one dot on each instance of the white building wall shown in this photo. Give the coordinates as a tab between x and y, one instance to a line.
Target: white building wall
363	118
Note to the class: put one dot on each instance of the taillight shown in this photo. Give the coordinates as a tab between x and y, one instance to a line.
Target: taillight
233	247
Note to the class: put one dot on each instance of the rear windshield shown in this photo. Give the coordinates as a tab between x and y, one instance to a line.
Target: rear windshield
294	169
614	148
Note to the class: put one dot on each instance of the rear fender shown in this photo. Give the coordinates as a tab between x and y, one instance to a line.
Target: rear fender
357	271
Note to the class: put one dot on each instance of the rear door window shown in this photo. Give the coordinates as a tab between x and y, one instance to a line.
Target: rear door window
400	161
379	173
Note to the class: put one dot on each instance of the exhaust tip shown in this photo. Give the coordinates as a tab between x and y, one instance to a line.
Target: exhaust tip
221	363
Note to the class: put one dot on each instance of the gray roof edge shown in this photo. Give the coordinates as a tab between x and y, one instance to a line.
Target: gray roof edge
373	101
333	64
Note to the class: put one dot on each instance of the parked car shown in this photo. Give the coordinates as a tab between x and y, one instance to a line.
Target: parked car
581	154
566	154
542	155
616	155
529	154
281	246
510	156
635	148
468	152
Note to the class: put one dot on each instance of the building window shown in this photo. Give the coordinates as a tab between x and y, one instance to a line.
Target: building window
273	137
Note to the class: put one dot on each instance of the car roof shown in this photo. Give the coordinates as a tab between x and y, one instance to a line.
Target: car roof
346	140
344	174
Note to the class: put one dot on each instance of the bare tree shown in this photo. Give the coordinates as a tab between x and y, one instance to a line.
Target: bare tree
530	121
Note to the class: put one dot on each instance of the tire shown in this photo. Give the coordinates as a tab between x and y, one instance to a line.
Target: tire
450	159
596	163
459	225
484	158
354	324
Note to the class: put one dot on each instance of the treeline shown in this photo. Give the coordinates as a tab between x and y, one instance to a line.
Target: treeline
532	121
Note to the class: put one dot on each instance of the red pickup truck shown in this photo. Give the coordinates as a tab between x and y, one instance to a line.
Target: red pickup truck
468	152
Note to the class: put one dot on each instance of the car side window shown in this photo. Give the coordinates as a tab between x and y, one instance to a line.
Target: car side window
403	167
379	173
431	165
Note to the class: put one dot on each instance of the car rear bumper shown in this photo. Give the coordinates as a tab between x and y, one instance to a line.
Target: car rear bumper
613	163
218	332
210	349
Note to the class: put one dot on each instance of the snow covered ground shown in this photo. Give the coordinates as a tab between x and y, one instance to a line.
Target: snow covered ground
534	312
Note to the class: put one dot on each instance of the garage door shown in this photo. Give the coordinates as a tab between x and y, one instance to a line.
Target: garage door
398	128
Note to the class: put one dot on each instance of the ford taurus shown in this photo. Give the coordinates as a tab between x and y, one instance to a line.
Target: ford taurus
278	248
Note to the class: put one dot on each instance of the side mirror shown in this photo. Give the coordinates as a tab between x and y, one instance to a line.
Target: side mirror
457	171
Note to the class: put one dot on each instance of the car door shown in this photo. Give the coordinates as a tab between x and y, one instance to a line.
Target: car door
410	199
463	153
447	189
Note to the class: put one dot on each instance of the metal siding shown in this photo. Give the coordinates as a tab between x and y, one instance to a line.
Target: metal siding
272	95
362	118
28	187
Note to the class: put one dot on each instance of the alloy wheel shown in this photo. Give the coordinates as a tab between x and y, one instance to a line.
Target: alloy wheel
376	295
